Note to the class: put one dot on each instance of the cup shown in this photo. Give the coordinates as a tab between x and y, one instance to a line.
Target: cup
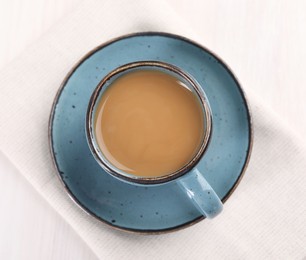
189	179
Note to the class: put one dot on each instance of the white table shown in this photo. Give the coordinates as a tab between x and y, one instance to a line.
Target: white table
29	227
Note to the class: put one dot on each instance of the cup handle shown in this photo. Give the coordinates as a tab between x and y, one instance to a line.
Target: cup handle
201	193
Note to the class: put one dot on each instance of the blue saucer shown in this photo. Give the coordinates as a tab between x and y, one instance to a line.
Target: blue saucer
156	208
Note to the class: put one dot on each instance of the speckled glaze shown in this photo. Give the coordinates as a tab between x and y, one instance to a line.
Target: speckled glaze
152	209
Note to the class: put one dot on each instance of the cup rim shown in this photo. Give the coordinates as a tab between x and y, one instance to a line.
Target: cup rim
107	166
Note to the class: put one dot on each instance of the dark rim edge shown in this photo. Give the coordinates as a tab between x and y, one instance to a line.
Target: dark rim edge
149	33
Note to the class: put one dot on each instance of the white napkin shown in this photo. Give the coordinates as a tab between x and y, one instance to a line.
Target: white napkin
265	217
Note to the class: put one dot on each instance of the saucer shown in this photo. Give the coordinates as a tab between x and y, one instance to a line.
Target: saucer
155	208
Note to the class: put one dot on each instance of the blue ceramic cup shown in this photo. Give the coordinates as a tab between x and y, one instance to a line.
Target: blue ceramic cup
189	179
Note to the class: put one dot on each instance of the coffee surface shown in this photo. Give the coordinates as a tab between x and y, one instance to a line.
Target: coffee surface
148	123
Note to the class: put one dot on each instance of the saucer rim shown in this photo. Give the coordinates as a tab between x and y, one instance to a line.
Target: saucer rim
84	58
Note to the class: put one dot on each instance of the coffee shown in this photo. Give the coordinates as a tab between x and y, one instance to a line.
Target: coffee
148	123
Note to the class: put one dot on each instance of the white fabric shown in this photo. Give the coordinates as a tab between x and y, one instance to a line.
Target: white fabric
265	217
